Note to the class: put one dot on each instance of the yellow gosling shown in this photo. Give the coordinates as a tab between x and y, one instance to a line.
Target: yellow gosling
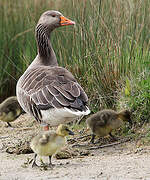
10	110
103	122
48	143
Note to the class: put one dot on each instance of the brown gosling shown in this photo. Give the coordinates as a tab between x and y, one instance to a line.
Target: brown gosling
103	122
10	110
48	143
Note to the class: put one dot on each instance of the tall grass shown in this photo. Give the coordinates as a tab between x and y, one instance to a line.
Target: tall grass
109	42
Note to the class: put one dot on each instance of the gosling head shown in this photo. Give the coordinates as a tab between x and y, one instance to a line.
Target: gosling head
10	108
126	116
53	19
63	130
5	110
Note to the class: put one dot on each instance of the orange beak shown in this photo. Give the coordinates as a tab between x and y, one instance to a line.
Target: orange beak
65	22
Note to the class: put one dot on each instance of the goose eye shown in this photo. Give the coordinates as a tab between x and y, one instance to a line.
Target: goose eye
53	15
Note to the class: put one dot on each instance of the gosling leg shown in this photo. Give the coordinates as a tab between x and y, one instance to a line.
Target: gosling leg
92	139
34	161
113	137
50	161
9	124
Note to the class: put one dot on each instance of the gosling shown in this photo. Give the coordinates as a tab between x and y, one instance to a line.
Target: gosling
103	122
10	110
48	142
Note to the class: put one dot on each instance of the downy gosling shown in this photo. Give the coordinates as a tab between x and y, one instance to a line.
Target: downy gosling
103	122
10	110
48	143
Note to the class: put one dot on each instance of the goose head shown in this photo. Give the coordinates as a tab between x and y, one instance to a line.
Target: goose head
63	130
53	19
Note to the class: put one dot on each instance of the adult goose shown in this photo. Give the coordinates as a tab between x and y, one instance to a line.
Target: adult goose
103	122
47	91
10	110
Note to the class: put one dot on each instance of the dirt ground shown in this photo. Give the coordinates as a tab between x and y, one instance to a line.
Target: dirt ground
77	160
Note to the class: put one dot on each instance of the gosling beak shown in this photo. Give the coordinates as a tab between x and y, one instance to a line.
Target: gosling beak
71	133
65	22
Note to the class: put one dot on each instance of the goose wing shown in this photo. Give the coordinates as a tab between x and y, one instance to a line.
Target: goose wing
50	87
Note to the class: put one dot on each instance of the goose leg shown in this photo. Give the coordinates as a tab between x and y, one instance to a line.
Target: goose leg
45	126
34	161
92	139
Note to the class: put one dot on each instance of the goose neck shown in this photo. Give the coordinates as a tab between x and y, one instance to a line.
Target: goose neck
45	50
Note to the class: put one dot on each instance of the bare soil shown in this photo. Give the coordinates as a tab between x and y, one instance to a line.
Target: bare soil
125	161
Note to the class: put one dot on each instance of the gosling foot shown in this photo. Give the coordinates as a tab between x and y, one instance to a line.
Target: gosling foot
51	165
34	164
113	137
98	141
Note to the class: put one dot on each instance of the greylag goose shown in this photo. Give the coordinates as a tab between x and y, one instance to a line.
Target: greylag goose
48	143
47	91
103	122
10	110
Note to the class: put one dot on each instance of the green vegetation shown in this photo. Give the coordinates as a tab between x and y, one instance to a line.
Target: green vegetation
108	45
137	98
